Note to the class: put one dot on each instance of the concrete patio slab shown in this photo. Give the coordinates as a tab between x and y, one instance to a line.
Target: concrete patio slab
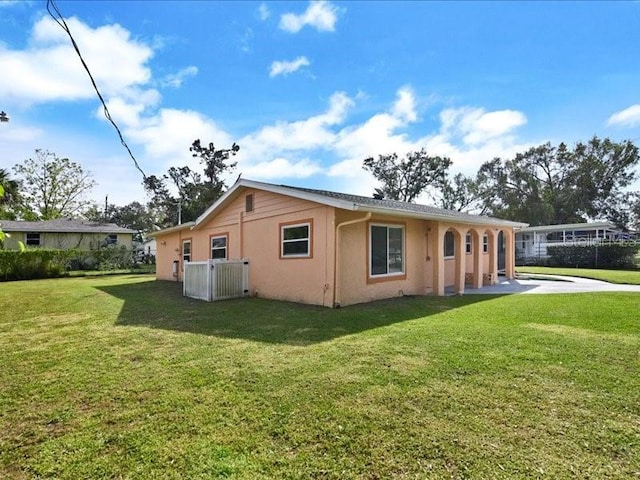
532	284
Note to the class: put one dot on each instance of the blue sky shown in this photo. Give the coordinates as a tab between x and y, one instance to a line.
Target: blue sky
310	89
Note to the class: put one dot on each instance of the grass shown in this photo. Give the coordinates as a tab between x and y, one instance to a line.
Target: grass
122	377
631	277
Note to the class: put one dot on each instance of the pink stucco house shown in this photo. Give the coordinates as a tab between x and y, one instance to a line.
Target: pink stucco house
331	249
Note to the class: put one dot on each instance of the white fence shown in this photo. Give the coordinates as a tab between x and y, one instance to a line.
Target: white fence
216	279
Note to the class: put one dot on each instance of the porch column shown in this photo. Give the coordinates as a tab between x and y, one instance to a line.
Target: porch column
493	255
437	259
477	259
460	261
509	254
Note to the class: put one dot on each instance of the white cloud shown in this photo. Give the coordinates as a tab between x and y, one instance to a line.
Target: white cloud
476	126
246	41
311	133
19	134
405	106
123	111
468	158
167	135
469	136
378	135
263	152
50	70
321	15
263	12
629	117
281	167
285	68
175	79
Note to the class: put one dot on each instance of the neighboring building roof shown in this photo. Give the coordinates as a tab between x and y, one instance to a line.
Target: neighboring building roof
569	226
62	225
355	202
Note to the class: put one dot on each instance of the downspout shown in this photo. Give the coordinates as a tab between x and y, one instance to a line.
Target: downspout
180	257
241	233
336	275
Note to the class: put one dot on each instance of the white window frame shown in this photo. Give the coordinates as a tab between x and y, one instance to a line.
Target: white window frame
285	227
485	244
226	244
468	245
26	239
182	254
403	252
444	245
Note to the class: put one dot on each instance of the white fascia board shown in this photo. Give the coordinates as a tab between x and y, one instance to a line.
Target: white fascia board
176	228
570	226
478	220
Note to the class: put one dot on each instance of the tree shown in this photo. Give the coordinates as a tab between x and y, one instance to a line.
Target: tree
458	193
4	235
550	185
405	179
53	187
134	215
633	211
214	160
195	193
10	199
605	169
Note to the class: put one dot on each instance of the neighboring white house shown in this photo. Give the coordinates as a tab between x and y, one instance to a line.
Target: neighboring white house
148	247
532	242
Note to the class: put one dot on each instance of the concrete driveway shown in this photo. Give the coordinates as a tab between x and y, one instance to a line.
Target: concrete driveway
550	284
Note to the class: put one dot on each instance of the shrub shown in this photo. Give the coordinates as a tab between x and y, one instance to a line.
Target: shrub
34	263
48	263
608	255
113	257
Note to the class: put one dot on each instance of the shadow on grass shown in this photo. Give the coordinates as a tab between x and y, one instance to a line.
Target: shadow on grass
160	304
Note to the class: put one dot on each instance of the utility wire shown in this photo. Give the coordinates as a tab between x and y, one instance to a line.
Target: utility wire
59	19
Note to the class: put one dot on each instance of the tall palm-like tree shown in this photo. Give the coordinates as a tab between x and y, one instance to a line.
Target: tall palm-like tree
10	200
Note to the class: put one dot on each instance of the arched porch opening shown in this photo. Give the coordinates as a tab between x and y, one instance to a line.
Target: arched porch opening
474	258
453	254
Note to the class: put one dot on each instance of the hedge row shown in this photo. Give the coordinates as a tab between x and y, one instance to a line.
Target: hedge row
594	256
40	263
48	263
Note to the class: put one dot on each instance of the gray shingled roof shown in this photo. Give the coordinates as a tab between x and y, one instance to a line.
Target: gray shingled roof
398	206
353	203
62	225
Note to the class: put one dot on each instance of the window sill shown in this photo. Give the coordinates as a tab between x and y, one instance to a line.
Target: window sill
386	278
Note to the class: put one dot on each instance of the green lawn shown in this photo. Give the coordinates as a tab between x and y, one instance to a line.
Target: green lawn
614	276
121	377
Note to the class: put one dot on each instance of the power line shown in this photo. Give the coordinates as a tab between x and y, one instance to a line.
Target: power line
59	19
